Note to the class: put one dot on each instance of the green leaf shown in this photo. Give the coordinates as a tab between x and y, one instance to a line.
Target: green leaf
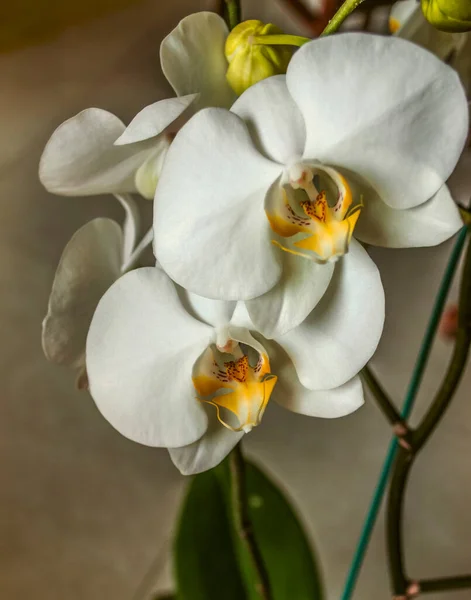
286	552
205	560
212	561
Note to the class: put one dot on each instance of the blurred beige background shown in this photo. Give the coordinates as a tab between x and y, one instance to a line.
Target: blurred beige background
86	514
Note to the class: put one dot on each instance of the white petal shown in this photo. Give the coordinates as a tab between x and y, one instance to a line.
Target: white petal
384	108
211	232
341	334
140	353
274	119
193	61
241	317
88	266
326	404
214	312
80	159
429	224
131	224
148	174
153	119
289	302
208	451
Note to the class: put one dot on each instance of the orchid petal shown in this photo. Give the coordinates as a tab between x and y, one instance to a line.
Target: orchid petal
326	404
193	61
429	224
208	451
131	224
80	159
148	174
88	266
383	108
274	119
341	334
141	349
211	233
289	302
154	119
217	313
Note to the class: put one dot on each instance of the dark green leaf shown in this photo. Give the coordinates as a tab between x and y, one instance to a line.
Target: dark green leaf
287	555
205	560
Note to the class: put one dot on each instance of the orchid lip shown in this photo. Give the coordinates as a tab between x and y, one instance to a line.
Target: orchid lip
227	377
312	209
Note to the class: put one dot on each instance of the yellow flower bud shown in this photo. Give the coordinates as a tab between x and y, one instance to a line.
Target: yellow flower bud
448	15
250	58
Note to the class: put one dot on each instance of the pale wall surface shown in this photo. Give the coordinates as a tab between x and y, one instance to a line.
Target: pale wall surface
84	513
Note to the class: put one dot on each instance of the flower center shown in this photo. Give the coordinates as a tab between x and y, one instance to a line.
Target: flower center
314	212
239	384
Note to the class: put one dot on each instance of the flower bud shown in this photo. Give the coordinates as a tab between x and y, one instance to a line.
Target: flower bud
448	15
250	58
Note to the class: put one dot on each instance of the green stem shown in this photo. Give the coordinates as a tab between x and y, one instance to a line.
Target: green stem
412	390
394	520
444	584
243	524
383	400
280	40
232	13
421	435
445	394
347	8
457	363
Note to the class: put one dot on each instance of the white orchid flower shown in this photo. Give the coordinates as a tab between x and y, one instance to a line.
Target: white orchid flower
94	153
94	258
408	22
195	378
301	163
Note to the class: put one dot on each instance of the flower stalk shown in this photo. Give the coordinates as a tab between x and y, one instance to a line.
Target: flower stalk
405	457
346	9
280	40
417	375
232	10
386	405
444	584
242	521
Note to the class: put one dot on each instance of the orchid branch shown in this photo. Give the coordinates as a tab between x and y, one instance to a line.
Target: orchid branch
398	424
243	523
405	457
444	584
232	12
385	403
347	8
412	390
